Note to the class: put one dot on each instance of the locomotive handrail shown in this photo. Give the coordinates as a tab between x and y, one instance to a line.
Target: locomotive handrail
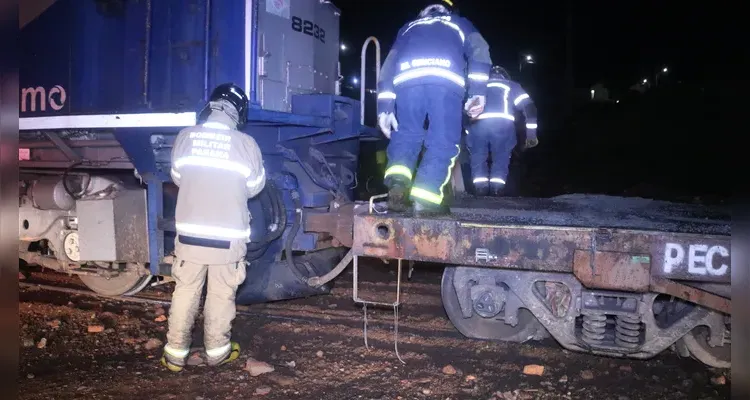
362	74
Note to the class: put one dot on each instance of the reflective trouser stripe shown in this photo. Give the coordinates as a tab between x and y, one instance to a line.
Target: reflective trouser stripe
426	195
178	353
213	353
481	180
398	170
497	180
437	198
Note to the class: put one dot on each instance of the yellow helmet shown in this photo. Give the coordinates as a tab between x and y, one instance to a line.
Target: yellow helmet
441	7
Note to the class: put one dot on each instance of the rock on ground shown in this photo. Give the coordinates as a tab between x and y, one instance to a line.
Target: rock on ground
256	368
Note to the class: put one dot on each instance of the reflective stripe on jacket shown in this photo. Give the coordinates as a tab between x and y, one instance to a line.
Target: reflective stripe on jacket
504	99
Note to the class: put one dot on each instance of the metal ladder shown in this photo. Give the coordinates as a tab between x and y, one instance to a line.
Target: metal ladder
395	305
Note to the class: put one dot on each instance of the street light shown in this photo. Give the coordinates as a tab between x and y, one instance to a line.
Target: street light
355	81
663	71
525	59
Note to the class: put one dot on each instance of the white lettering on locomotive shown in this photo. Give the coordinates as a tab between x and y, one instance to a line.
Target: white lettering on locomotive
37	98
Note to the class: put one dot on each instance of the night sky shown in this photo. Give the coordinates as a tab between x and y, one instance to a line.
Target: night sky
616	43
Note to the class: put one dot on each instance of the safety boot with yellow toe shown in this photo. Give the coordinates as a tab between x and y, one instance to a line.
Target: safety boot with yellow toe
173	359
397	194
172	363
233	354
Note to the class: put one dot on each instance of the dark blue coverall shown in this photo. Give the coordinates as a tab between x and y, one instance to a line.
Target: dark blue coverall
425	75
494	132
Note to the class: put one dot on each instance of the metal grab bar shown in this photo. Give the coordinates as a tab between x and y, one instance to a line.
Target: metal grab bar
362	75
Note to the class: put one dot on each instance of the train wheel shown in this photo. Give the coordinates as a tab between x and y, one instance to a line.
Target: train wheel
696	343
145	281
477	327
123	284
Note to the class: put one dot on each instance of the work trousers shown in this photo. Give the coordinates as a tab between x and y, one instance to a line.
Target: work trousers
441	106
494	136
219	310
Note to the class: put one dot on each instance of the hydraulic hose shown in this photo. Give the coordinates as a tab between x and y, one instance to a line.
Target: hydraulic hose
318	281
280	214
291	235
273	195
84	187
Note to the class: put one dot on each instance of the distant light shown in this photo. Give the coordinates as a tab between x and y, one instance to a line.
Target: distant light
592	93
665	69
529	58
355	80
645	81
617	101
343	47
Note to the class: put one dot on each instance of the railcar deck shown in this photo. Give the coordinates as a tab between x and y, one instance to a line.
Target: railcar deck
608	242
596	211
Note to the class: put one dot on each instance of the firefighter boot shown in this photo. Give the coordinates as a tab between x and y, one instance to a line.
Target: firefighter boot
398	189
233	354
497	189
482	189
172	362
426	209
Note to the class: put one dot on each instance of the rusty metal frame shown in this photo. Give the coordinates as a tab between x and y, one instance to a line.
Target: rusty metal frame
601	258
695	295
337	223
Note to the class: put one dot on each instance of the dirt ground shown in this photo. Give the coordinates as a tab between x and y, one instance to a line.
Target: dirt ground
80	346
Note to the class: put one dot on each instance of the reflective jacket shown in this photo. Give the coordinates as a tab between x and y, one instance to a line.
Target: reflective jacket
437	49
217	170
504	99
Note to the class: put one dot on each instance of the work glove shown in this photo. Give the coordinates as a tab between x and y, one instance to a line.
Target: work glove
531	139
475	106
387	122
